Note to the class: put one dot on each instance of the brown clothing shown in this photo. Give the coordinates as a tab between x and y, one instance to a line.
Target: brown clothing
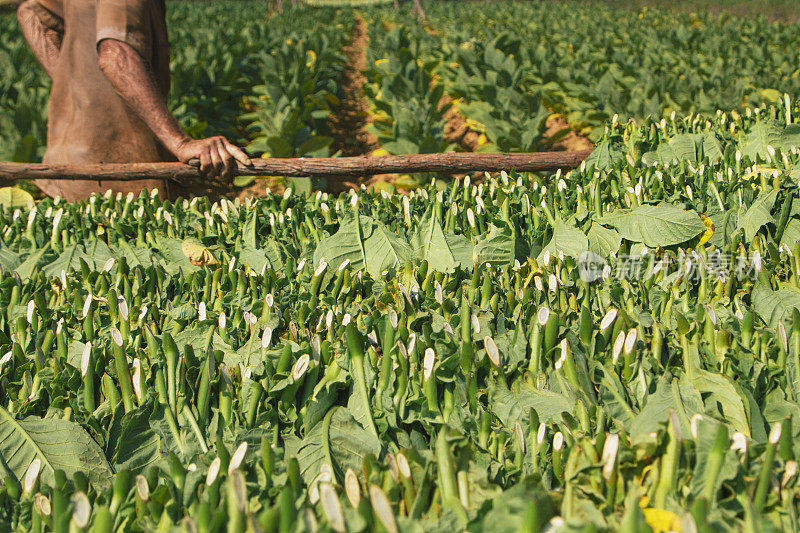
88	121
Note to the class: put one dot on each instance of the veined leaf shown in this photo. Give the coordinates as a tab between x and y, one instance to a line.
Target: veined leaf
757	215
603	241
366	242
58	444
605	156
755	143
511	406
444	251
774	306
567	239
497	248
338	441
656	225
685	147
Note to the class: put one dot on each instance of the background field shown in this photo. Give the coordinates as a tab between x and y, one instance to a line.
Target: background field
502	76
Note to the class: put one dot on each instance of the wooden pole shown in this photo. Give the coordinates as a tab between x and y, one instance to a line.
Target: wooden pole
333	167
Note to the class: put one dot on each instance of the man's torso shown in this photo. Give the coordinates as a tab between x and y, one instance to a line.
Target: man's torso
88	121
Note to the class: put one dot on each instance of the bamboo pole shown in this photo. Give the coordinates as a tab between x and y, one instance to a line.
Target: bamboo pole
330	167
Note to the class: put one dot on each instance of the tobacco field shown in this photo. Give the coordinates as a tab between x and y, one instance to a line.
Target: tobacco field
615	348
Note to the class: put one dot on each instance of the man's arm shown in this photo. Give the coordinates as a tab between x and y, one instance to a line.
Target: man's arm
128	72
44	40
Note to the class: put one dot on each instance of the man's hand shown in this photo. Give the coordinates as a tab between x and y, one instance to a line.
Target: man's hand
217	155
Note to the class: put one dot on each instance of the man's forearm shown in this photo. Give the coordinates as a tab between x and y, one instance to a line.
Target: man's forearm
44	41
128	72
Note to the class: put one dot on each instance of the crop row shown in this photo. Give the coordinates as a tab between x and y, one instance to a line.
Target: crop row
614	348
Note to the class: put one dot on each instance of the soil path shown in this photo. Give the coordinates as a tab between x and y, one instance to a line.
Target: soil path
350	120
456	130
572	140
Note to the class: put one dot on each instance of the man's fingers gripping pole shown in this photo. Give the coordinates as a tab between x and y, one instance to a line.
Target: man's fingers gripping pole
238	154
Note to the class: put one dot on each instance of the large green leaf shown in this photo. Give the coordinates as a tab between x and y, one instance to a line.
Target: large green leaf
671	393
32	263
605	155
791	234
59	445
774	306
603	241
510	406
95	253
497	248
685	147
656	225
755	143
138	445
338	441
757	215
367	243
567	239
720	392
443	251
8	260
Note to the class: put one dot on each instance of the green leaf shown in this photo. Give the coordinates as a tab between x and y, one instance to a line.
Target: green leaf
497	247
757	215
138	446
656	225
95	253
444	251
366	242
603	241
567	239
671	393
32	263
791	234
511	406
720	392
755	143
58	444
725	224
338	441
8	260
774	306
685	147
605	156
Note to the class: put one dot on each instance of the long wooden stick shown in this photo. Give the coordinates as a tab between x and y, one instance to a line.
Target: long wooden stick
337	167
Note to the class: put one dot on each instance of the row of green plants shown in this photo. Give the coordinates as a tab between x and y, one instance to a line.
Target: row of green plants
614	348
592	60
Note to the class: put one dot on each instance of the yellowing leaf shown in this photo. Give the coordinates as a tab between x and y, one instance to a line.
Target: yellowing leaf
661	520
704	238
197	254
15	197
